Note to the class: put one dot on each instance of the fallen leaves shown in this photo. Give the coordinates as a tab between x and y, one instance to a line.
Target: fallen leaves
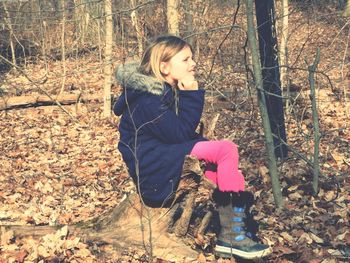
45	185
264	173
50	247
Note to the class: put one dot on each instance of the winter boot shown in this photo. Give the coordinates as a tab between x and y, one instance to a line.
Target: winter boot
233	239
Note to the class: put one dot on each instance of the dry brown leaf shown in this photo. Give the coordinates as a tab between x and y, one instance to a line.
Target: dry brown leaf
62	233
344	237
72	243
83	253
305	238
284	249
330	195
316	238
338	157
21	255
10	247
43	251
201	258
293	188
287	237
295	196
6	237
264	173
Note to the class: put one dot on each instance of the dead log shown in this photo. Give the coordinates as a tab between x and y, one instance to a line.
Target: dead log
7	103
132	224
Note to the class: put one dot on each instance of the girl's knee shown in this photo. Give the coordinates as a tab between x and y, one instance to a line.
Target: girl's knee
229	146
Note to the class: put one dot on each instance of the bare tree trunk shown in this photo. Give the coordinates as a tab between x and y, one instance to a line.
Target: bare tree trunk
63	47
99	38
9	26
265	18
99	41
189	22
173	17
43	31
284	51
86	25
77	19
316	164
82	18
347	9
276	188
343	73
108	59
136	24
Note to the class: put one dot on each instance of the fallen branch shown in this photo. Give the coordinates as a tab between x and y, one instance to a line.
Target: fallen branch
7	103
37	85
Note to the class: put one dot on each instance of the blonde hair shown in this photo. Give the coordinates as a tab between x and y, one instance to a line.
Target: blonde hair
161	49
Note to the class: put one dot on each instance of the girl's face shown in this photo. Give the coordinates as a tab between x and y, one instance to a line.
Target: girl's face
179	67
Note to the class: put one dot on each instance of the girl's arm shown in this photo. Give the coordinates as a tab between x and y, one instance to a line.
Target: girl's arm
163	123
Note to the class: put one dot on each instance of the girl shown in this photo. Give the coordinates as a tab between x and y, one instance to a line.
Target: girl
161	107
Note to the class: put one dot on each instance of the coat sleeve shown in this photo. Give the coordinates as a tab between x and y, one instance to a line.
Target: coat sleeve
157	120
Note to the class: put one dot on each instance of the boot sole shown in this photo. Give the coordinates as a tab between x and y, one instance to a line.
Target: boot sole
226	252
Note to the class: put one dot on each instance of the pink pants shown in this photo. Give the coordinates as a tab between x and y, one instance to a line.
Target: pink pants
225	155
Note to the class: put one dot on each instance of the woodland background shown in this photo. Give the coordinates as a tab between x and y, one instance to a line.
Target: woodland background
59	161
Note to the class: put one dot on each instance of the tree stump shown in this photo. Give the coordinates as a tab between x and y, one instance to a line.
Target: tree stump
132	224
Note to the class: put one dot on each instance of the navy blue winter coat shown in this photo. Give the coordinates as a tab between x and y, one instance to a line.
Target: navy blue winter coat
154	136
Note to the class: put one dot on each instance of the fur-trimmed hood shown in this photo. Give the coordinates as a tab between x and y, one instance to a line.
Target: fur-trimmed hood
134	84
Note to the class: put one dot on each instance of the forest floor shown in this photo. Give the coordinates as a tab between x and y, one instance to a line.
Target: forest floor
58	170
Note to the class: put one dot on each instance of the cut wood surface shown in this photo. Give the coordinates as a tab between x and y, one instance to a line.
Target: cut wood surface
39	100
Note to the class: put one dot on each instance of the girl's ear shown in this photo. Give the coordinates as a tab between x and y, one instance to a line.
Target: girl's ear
164	68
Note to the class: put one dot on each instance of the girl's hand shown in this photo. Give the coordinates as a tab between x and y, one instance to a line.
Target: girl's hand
188	83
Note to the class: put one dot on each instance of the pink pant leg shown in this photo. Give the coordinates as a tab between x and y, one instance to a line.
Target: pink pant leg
225	155
212	176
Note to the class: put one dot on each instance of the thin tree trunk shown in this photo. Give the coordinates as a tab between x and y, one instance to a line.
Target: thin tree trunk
284	51
189	22
77	19
265	17
343	73
99	41
9	26
347	9
43	35
63	47
276	188
136	24
316	163
86	25
108	60
173	17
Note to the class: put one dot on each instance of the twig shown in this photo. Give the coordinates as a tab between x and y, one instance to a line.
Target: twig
226	36
316	163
